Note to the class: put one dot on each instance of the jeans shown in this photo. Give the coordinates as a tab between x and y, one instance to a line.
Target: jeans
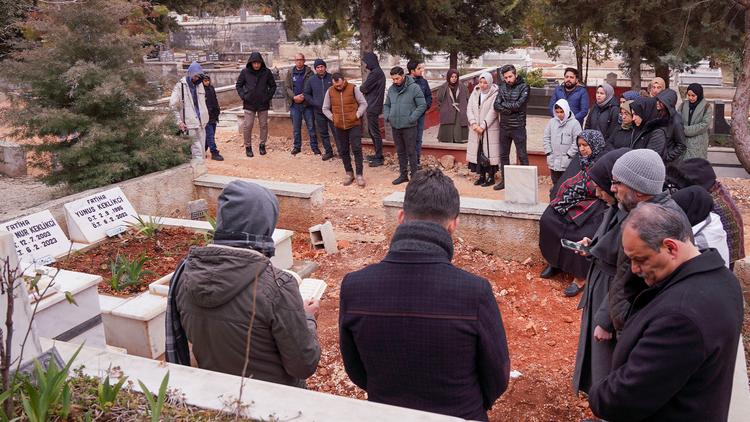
350	139
249	122
298	111
210	138
373	127
323	124
420	131
516	135
406	149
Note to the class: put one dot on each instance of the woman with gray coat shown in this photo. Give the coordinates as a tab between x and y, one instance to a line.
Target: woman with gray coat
452	99
696	116
485	130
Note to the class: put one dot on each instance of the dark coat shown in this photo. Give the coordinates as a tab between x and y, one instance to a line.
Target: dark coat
289	84
256	88
374	86
316	89
212	104
674	360
653	136
425	86
510	103
578	99
676	145
620	138
418	332
445	103
604	118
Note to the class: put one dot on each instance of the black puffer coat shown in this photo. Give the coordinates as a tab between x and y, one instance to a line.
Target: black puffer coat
510	103
256	87
675	130
604	118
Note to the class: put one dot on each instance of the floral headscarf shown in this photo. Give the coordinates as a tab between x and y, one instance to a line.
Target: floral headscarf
577	194
595	139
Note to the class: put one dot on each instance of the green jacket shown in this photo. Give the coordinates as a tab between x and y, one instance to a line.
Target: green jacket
404	104
696	133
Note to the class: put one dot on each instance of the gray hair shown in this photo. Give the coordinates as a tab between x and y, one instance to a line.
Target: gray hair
655	222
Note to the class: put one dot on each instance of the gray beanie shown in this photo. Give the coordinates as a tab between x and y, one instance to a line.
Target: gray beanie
641	170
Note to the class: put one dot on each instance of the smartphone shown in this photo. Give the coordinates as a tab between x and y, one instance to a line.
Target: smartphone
574	246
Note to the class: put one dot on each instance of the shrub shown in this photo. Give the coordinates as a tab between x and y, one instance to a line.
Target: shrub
533	77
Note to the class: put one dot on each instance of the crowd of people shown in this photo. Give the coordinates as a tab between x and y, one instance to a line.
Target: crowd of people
636	215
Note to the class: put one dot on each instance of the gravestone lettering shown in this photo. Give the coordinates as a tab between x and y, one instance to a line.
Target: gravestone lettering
198	209
38	238
90	218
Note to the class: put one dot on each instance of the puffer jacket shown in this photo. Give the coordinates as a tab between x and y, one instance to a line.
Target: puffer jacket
181	103
560	139
256	87
215	299
604	118
404	104
675	132
510	103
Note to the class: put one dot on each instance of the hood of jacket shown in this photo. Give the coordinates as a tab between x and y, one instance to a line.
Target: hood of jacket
563	104
215	274
247	216
371	61
255	57
669	99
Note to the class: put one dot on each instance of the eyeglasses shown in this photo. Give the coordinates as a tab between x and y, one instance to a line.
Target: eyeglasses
616	182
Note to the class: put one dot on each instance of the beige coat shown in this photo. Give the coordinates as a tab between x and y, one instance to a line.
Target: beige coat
486	117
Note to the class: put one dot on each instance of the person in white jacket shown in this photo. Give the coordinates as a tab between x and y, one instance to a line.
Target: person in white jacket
560	139
708	231
188	103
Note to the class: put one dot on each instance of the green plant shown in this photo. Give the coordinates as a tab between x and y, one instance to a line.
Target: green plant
50	393
126	273
107	393
209	235
156	404
533	77
148	228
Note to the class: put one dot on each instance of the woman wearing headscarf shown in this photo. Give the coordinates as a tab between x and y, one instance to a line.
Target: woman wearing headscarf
624	134
596	342
604	113
573	213
650	130
674	150
708	232
452	99
656	86
485	130
696	116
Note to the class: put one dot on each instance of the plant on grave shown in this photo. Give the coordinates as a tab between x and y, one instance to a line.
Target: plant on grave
156	403
79	87
127	273
148	228
49	393
106	393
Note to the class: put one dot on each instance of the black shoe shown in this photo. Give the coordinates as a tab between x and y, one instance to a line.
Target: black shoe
400	180
499	186
262	148
296	151
371	157
480	181
549	272
376	163
216	156
572	290
488	183
316	151
327	156
249	151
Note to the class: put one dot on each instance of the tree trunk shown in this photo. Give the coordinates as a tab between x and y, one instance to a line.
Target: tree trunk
575	39
661	70
453	60
741	102
366	31
635	69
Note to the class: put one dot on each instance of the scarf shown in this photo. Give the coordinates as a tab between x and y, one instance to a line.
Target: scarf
578	193
453	89
422	236
260	243
596	142
697	89
609	93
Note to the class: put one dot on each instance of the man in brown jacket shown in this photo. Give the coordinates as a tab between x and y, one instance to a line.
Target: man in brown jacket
344	105
220	288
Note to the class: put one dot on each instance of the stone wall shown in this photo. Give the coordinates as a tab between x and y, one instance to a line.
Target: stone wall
230	36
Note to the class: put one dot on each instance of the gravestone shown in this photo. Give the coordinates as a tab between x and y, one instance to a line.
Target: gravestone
212	57
521	184
98	216
193	57
166	56
198	209
721	126
12	159
38	238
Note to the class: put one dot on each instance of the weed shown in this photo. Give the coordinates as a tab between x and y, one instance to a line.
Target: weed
50	393
149	228
126	273
156	404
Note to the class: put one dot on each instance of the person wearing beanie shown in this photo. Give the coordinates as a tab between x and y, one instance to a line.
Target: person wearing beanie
215	288
416	71
188	103
697	116
596	340
315	92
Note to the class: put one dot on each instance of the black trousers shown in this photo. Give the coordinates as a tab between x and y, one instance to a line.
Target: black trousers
350	140
515	135
373	127
406	149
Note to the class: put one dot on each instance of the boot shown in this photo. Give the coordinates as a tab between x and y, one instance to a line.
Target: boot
349	178
262	148
316	151
327	156
296	151
401	179
360	181
549	272
216	156
249	151
481	179
490	180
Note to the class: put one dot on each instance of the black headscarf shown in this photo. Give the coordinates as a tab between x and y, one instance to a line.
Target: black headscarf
448	75
698	91
601	171
645	107
693	171
695	201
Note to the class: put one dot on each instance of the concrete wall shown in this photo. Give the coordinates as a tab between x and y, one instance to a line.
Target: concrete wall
230	36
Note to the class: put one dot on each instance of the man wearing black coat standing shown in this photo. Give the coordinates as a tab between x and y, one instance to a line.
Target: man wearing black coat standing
510	104
675	357
212	104
374	91
256	87
416	331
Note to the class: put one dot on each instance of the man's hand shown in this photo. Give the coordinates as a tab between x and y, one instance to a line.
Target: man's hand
299	98
182	126
312	307
600	334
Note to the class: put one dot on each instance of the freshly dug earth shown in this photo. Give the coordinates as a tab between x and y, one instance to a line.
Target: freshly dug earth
164	251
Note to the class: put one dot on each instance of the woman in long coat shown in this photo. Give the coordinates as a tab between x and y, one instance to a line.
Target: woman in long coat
604	114
452	99
485	129
696	116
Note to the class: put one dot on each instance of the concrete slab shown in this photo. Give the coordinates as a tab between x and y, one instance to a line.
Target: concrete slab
521	184
739	405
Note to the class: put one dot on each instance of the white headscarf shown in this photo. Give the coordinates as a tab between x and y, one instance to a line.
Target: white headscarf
487	77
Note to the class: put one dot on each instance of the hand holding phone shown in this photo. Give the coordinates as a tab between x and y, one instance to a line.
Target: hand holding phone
575	246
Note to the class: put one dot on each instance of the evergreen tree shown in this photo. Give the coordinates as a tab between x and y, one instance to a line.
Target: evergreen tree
80	86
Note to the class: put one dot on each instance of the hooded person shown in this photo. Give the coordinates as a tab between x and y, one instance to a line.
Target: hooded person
696	116
188	103
485	131
666	101
453	99
708	231
650	130
560	139
219	290
604	114
373	89
256	86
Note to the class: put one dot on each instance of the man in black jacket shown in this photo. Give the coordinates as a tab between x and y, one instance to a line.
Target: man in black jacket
674	360
416	331
374	91
510	104
316	88
256	87
212	104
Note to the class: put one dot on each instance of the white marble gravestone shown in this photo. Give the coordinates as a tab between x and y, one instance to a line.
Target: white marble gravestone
38	238
521	184
91	218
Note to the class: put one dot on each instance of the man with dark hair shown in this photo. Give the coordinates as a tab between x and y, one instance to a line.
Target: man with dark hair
416	331
316	89
416	71
374	89
296	78
574	93
212	103
510	104
404	104
675	357
344	105
256	86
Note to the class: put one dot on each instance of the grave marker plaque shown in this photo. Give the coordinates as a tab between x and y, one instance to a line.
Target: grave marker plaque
91	217
38	238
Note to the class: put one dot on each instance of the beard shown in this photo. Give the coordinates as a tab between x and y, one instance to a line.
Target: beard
569	85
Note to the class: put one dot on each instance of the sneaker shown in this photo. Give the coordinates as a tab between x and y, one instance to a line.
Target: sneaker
349	179
400	180
360	181
499	186
262	148
376	163
572	290
327	156
249	151
296	151
216	156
